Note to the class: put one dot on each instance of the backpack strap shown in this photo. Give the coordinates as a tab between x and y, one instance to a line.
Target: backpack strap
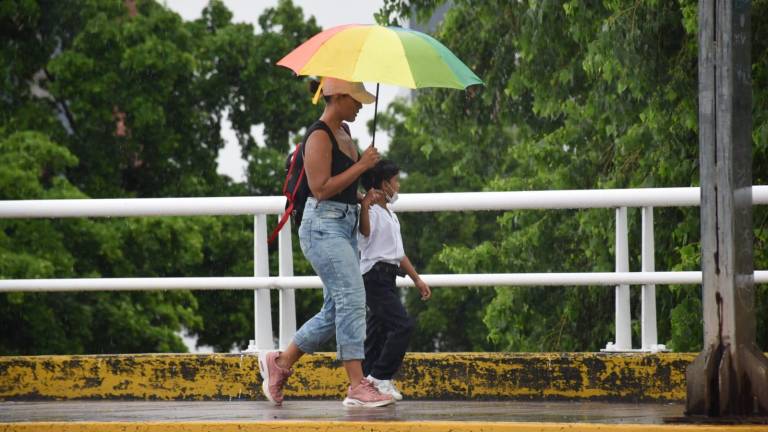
290	169
321	125
281	223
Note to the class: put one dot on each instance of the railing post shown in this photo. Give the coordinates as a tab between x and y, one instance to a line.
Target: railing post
648	297
287	296
262	309
623	312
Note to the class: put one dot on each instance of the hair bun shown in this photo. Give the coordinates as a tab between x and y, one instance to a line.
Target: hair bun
313	85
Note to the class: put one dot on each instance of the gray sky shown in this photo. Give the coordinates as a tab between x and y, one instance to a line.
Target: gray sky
328	13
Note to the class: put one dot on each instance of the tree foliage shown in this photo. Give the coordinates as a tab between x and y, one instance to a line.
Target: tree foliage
578	95
33	167
98	101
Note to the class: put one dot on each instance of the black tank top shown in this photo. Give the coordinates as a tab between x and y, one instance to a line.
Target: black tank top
340	162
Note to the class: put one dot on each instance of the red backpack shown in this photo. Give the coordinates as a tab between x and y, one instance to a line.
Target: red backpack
295	187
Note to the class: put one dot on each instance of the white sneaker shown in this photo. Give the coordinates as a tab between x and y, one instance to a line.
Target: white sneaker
385	387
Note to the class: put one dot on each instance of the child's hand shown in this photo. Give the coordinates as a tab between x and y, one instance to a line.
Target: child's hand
371	197
426	293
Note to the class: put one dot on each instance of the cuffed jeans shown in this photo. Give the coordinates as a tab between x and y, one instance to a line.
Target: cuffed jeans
328	237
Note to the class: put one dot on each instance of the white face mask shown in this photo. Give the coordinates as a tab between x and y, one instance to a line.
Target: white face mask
391	199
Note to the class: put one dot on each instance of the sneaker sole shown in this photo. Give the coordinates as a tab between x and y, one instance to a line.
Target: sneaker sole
360	404
396	397
265	377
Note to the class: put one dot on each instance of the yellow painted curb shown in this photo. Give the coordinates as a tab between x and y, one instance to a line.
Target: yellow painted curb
364	427
442	376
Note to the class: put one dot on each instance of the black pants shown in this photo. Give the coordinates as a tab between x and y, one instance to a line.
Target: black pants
388	326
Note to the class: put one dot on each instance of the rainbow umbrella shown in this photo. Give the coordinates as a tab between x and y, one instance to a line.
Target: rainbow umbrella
373	53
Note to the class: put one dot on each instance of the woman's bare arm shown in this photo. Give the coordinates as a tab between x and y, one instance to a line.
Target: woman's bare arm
318	154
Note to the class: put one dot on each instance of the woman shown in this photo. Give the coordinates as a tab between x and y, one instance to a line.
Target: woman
328	237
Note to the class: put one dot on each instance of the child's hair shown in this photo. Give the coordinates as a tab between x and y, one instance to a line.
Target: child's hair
384	170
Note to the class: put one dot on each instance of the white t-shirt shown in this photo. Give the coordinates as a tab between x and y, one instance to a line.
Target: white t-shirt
384	242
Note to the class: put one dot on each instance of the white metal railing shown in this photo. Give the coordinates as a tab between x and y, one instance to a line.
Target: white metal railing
262	282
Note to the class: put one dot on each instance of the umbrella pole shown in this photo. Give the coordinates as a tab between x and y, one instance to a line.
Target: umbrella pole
375	112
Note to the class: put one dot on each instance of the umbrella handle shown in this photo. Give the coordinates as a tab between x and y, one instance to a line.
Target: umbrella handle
375	112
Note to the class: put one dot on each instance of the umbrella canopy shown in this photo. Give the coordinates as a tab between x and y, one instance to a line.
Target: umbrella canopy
387	55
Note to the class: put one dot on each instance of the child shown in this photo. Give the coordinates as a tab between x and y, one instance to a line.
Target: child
381	259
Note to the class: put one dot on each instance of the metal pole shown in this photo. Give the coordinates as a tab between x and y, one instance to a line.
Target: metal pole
464	280
262	309
287	296
375	114
410	202
730	376
623	311
648	306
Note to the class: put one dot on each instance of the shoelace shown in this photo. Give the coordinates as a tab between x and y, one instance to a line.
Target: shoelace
387	386
369	388
281	379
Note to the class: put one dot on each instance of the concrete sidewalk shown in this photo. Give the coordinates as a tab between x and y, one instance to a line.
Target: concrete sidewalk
138	411
331	416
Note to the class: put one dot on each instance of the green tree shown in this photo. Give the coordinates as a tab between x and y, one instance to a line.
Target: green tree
578	95
242	65
136	102
33	167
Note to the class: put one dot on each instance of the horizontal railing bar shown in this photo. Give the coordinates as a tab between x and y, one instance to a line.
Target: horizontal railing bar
560	199
123	207
417	202
300	282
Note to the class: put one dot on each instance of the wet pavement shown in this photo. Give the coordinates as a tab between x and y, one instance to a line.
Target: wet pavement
293	410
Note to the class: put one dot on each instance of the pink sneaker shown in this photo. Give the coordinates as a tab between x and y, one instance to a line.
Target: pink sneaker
365	394
273	376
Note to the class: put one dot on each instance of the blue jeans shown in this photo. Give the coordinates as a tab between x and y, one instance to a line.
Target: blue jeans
328	237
